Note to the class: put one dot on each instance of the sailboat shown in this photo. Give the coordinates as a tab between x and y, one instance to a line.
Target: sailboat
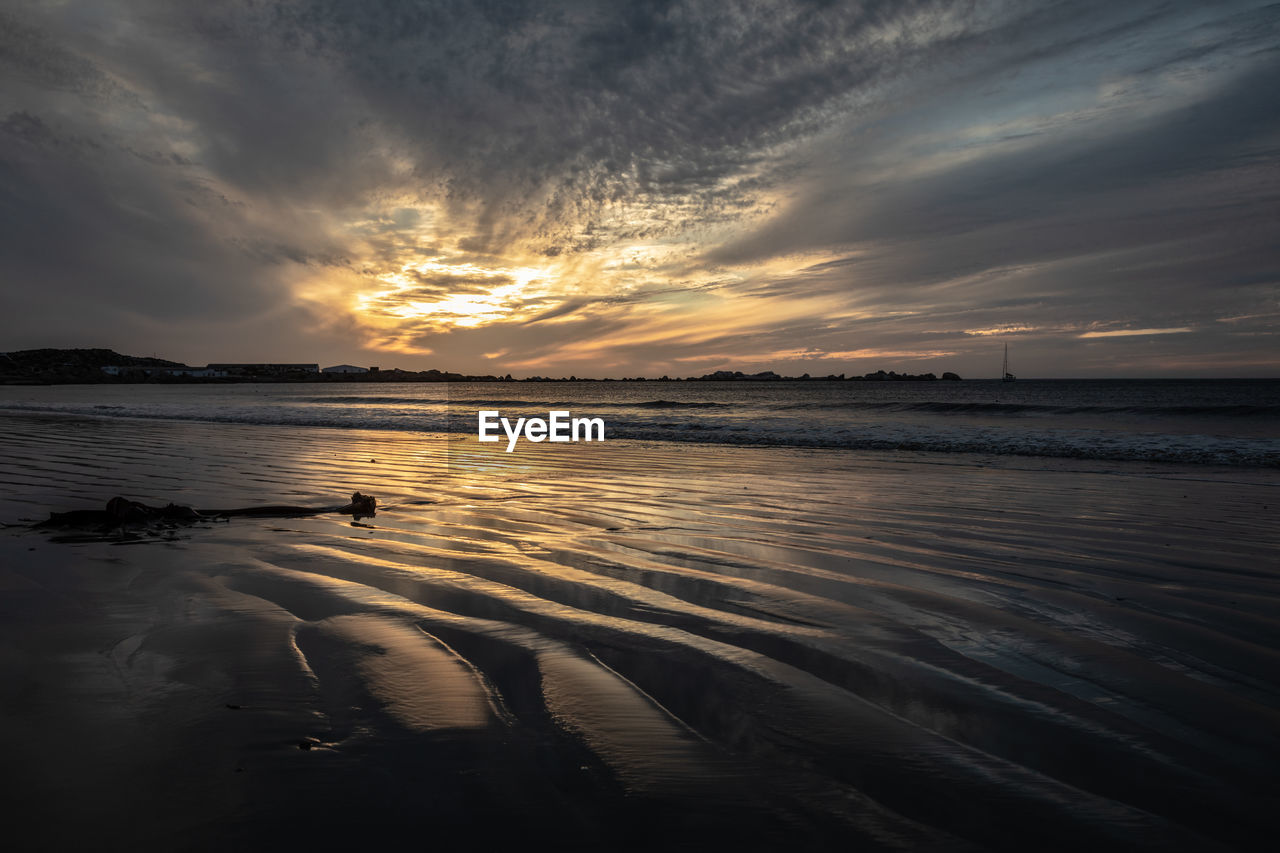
1006	376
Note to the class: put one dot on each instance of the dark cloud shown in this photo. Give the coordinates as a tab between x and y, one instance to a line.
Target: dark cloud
440	284
915	170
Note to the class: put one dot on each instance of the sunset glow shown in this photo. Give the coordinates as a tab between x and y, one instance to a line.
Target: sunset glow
806	188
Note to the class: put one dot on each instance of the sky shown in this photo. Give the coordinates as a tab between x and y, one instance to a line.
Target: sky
646	188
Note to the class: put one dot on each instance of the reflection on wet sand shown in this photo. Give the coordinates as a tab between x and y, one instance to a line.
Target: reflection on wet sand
634	646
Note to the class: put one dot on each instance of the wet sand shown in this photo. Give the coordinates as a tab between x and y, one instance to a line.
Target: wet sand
633	646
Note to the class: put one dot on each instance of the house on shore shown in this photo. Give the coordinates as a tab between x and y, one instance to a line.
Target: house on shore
127	370
264	369
344	368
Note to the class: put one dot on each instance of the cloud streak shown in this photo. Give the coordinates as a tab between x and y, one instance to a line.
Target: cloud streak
655	187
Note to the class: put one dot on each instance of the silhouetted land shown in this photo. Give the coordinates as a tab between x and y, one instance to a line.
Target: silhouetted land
104	366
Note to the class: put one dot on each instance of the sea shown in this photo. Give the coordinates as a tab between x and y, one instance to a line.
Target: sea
1225	422
1038	615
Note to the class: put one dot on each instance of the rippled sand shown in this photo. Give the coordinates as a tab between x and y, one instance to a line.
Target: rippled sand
634	646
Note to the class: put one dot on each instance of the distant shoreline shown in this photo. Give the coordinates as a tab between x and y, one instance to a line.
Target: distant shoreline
427	376
107	367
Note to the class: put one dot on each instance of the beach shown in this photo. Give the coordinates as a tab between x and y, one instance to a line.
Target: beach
633	645
664	426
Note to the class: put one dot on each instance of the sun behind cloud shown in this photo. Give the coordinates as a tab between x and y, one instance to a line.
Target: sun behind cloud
793	185
440	296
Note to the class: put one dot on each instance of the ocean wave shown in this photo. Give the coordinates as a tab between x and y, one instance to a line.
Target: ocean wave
956	407
937	437
512	403
674	404
942	407
374	401
1061	444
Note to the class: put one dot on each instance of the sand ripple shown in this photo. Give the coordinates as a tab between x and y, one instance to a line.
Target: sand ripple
817	647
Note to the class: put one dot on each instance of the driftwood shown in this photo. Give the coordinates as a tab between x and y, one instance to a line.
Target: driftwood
122	511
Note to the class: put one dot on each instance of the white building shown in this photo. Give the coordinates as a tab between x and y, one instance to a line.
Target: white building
345	368
202	372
